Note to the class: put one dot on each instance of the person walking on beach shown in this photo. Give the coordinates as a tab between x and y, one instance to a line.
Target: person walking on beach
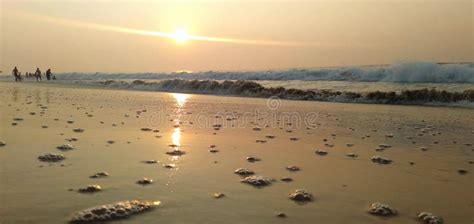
38	74
48	74
16	74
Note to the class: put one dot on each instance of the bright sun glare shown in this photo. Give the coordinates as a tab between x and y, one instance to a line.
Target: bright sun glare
180	35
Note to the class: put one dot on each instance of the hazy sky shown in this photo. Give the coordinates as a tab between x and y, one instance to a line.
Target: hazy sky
109	36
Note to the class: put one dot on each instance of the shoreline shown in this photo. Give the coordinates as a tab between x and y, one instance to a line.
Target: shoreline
105	84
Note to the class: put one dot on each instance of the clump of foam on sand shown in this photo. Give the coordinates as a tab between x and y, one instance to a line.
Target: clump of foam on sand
90	189
152	161
380	160
51	157
176	152
100	175
429	218
321	152
65	147
293	168
244	172
219	195
252	159
380	209
301	195
78	130
119	210
257	181
169	166
144	181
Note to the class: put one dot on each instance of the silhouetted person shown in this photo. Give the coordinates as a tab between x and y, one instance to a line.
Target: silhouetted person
48	74
16	74
38	74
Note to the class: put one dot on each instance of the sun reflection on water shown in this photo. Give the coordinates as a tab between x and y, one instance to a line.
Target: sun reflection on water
176	137
181	100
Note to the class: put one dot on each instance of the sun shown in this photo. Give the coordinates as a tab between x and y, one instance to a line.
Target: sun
180	35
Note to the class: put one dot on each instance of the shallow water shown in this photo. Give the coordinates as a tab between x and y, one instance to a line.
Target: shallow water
35	192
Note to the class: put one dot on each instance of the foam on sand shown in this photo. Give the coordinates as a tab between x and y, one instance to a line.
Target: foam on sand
109	212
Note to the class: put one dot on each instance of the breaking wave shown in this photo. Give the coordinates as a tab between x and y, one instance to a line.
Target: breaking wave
253	89
421	83
415	72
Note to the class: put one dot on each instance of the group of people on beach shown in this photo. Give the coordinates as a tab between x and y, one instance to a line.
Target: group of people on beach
29	75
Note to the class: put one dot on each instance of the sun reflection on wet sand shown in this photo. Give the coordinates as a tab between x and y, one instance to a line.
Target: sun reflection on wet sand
176	137
181	100
176	142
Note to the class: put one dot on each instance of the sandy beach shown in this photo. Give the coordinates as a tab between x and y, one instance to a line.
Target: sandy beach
236	112
118	131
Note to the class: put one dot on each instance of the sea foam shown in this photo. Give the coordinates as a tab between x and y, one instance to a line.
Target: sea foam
414	72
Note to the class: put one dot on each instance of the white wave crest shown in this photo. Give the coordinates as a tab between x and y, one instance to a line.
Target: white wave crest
415	72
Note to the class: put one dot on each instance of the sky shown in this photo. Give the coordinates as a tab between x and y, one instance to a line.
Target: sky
202	35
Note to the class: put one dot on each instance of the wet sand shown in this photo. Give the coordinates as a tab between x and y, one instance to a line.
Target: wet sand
123	131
